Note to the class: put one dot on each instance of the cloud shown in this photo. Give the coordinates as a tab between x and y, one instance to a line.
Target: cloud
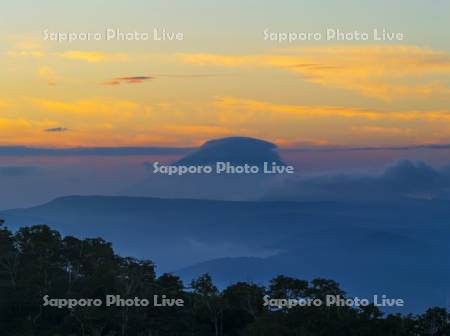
124	151
57	129
4	104
141	79
316	111
26	53
101	151
25	45
110	120
387	131
187	76
202	130
22	130
385	72
93	56
93	107
37	50
403	179
327	147
48	74
17	171
128	80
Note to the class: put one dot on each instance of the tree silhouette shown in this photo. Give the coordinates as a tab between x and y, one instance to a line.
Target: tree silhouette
36	261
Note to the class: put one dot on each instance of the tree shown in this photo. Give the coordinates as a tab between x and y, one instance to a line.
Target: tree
435	322
36	260
207	299
243	305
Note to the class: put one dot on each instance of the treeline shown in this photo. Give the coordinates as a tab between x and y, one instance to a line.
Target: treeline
36	261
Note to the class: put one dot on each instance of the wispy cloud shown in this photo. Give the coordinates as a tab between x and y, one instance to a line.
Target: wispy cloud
110	120
142	79
384	72
24	45
92	56
380	130
97	107
3	104
233	104
202	130
187	76
56	129
22	130
48	74
35	49
128	80
26	53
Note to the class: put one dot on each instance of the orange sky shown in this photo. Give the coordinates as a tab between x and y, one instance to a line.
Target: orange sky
180	94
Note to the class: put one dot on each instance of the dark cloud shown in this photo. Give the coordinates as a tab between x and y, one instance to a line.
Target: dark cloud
128	80
107	151
362	149
57	129
141	79
403	179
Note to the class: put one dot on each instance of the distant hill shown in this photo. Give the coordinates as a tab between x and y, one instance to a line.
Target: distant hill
378	248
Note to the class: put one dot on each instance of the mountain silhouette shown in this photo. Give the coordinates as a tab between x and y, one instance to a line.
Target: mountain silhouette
370	248
236	150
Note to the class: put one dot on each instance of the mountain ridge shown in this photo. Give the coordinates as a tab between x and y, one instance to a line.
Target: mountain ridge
342	241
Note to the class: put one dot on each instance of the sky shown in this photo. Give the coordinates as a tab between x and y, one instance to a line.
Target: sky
224	78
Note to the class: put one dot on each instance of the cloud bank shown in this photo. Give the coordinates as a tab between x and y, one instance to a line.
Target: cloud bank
405	178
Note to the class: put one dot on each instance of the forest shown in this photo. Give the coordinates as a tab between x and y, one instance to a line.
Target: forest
37	262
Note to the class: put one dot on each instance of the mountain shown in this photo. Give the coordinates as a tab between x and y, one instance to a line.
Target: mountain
399	249
237	151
